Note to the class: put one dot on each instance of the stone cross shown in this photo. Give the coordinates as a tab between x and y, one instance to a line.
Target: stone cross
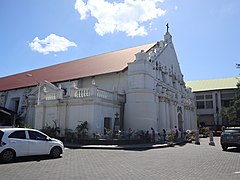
167	27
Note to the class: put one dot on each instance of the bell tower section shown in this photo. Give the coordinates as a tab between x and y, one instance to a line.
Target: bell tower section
141	106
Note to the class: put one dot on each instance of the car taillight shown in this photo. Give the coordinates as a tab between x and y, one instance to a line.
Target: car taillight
2	143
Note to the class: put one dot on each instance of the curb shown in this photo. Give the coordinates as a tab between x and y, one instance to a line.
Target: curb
126	147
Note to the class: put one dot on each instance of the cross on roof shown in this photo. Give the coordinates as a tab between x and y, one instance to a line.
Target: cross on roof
167	27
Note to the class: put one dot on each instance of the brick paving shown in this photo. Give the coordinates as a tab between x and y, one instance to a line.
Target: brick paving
187	162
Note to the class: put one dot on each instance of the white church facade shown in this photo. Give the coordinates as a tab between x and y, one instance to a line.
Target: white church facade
138	88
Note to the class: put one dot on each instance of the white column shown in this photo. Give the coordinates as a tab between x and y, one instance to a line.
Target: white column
39	117
215	105
219	108
190	118
160	75
162	115
62	117
167	114
186	121
175	113
171	114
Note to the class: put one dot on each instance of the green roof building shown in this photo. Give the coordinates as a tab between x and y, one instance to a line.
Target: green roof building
211	95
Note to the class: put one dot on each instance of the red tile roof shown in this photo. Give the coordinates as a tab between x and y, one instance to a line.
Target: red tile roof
91	66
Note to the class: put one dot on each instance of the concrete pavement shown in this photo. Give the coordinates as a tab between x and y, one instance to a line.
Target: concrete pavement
186	162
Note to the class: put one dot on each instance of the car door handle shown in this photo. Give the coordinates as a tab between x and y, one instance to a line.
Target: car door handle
13	141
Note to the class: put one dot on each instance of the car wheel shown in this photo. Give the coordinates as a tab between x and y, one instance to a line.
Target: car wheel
56	152
224	148
8	155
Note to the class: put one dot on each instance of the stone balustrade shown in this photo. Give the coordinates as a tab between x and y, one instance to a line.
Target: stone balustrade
104	94
50	96
83	92
87	92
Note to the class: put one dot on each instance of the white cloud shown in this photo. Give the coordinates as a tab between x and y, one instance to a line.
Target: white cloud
126	16
52	43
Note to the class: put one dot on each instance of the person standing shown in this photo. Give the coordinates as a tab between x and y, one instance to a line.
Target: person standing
176	132
164	135
153	135
147	139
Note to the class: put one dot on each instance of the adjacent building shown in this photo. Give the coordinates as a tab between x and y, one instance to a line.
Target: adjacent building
211	96
139	88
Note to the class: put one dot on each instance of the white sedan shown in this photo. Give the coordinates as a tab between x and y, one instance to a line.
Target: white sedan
15	142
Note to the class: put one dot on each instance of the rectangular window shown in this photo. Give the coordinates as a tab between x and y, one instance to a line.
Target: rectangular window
228	96
226	103
200	104
200	97
208	96
209	104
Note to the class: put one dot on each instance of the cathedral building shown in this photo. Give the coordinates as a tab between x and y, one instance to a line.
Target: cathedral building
139	88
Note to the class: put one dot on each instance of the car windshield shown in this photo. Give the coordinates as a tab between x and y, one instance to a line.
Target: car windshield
232	131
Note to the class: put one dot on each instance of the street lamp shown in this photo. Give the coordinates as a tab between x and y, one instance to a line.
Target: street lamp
38	85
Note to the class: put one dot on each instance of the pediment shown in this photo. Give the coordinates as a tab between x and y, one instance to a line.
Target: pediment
166	61
45	87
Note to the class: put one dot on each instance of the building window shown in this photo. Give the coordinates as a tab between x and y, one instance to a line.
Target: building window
204	101
200	97
200	104
228	96
208	97
226	103
209	104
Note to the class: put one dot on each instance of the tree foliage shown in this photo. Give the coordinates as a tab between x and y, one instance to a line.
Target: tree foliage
82	129
232	113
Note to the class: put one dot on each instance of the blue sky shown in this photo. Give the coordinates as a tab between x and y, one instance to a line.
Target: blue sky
39	33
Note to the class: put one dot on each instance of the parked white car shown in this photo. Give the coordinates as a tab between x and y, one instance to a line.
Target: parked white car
15	142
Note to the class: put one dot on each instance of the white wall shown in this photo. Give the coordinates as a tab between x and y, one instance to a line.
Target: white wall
110	82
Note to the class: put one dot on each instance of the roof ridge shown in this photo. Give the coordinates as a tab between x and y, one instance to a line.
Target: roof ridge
214	79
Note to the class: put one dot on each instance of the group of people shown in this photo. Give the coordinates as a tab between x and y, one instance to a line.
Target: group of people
150	137
161	136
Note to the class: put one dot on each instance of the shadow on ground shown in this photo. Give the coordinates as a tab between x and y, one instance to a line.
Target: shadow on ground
30	159
233	150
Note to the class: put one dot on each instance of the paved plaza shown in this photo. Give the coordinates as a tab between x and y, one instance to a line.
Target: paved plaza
184	162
